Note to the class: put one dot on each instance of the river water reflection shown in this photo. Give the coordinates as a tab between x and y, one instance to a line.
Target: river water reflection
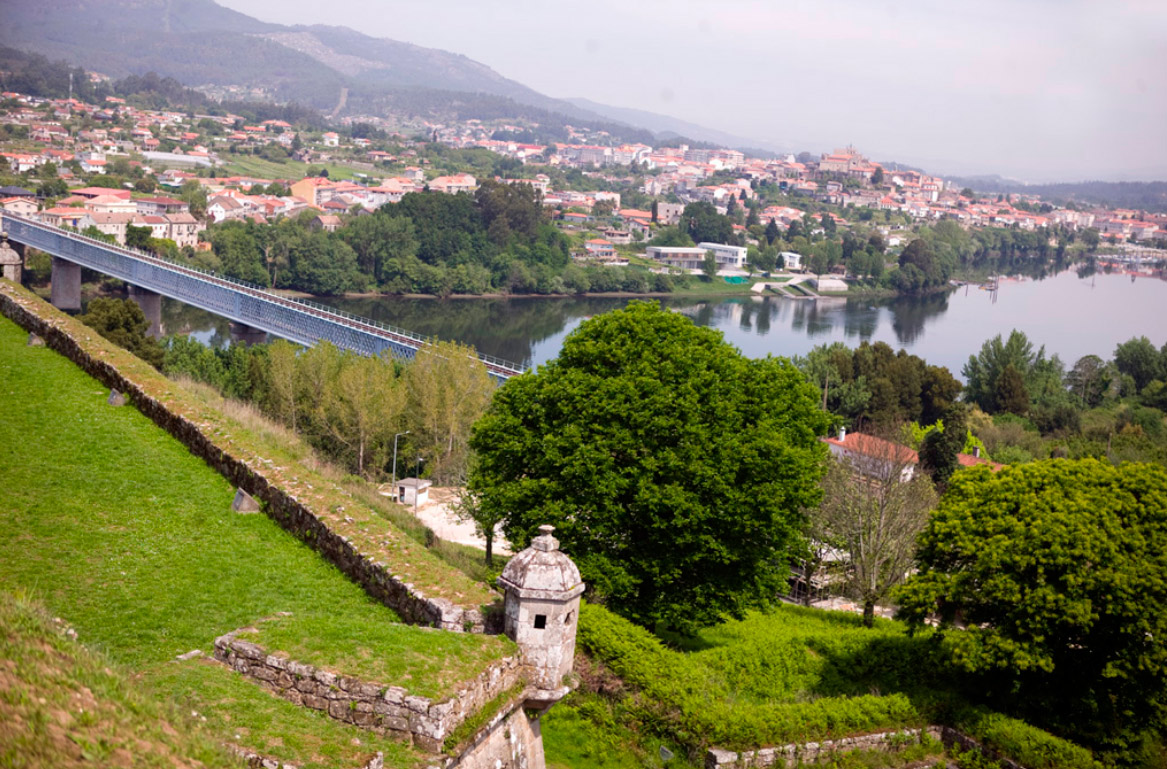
1071	316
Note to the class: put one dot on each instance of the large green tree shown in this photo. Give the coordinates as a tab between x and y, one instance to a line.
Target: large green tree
674	468
703	224
994	388
1139	359
1058	572
873	383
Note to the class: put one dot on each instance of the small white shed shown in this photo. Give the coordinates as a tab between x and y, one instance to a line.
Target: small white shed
413	491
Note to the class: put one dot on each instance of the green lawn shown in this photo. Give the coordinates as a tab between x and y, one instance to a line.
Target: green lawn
117	528
700	286
251	165
381	653
64	705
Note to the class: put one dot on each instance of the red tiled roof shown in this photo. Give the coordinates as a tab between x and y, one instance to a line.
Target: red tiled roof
968	460
869	445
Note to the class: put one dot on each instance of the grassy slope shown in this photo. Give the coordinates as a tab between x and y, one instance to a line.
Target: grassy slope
287	462
62	705
132	539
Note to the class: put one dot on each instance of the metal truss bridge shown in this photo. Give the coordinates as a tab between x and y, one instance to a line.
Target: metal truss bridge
297	320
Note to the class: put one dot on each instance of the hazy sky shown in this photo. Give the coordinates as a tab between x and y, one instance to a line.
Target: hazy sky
1036	89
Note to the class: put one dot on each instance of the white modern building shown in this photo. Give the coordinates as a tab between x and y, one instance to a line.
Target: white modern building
682	257
728	257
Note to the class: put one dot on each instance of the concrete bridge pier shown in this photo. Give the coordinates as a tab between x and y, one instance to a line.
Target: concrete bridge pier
242	333
65	290
151	304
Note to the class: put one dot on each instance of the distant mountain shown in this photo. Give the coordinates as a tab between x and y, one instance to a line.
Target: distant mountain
1149	196
199	42
668	127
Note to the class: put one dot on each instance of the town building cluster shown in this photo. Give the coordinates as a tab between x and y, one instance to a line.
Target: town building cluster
175	152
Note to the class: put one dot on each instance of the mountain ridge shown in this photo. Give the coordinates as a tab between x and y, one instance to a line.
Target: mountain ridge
201	43
668	125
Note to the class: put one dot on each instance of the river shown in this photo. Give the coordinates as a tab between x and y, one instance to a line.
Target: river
1071	316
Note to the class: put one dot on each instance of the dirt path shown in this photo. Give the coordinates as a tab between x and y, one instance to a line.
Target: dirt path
436	514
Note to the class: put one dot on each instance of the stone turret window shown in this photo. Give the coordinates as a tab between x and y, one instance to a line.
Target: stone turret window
567	619
540	621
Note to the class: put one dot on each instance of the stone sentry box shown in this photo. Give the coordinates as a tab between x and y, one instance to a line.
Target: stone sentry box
542	588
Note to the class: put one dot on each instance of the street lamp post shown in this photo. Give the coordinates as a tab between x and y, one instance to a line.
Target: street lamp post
417	480
395	437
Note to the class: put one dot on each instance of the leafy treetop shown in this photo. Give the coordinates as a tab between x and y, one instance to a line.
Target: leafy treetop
1058	570
674	468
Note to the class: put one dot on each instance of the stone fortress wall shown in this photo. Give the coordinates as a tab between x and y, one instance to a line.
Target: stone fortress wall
384	709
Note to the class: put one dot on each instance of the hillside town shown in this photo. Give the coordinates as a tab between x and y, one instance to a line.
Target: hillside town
424	386
114	167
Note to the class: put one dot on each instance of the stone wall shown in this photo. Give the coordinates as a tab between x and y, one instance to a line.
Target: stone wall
511	740
256	761
810	752
370	705
375	577
794	755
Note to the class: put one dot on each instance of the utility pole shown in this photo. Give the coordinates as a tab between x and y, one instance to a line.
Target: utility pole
395	437
417	479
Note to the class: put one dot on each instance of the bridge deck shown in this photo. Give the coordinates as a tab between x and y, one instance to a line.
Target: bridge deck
300	321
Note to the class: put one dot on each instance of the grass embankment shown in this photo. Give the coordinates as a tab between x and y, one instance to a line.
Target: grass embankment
378	652
257	427
62	705
702	286
131	538
791	675
287	462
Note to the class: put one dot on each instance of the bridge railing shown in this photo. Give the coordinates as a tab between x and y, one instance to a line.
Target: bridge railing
260	292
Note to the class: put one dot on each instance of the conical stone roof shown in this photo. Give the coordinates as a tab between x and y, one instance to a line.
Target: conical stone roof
542	571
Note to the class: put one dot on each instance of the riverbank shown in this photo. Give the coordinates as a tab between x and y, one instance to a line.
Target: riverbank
712	288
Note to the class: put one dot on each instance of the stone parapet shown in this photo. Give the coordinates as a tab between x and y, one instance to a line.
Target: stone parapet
798	754
374	706
256	761
249	474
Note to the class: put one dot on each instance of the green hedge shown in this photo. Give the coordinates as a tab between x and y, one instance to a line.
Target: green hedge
1026	744
687	695
685	700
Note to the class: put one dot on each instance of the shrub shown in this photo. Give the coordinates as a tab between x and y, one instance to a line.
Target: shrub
1026	744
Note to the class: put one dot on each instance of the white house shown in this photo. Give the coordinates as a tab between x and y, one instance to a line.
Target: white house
728	257
600	249
869	455
684	257
791	260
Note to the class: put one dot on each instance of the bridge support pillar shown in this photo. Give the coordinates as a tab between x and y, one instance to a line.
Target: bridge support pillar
151	304
65	289
241	333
